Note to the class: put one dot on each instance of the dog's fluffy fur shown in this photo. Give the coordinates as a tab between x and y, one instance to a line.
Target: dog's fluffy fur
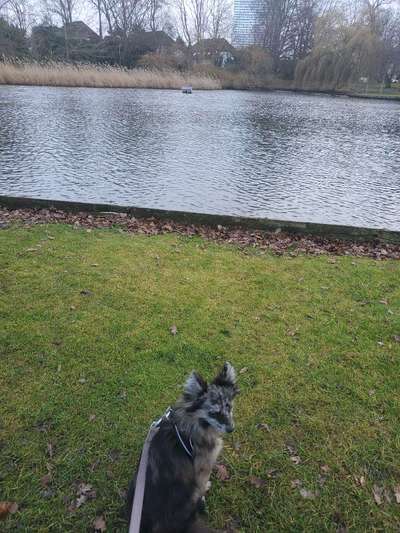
176	483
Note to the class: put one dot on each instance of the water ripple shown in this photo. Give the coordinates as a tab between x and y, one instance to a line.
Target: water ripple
278	155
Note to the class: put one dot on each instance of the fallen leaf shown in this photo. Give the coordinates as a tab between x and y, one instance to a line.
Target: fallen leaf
295	459
99	524
82	380
388	496
72	308
396	491
296	483
384	302
322	480
85	292
84	488
222	472
378	493
325	469
257	482
94	264
59	368
308	494
243	370
84	492
272	473
173	329
92	418
45	480
263	426
360	480
7	508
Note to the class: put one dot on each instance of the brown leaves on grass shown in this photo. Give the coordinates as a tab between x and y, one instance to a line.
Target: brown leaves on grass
278	242
257	482
173	329
222	472
85	292
7	508
360	480
46	480
84	492
396	491
99	524
294	457
263	426
378	494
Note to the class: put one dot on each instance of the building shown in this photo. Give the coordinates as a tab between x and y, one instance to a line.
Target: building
246	22
216	52
80	32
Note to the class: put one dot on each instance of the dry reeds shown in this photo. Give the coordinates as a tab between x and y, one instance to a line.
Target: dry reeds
82	75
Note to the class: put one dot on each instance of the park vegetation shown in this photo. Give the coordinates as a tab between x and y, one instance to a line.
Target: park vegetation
335	45
100	328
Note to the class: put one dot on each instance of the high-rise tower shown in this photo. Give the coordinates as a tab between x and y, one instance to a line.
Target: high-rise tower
246	22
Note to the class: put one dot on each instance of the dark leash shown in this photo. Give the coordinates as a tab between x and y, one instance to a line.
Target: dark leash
137	506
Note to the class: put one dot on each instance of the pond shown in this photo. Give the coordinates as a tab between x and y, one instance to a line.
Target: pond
273	154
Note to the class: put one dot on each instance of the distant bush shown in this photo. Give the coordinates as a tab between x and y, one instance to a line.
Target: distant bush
13	42
358	55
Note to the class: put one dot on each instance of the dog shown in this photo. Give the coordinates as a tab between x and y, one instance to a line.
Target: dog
183	453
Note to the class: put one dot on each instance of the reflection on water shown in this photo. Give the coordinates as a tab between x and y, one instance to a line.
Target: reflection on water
277	155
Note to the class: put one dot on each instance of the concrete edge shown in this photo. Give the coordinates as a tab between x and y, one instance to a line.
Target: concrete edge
329	231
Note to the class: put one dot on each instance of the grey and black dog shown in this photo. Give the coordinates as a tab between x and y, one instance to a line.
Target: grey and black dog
183	454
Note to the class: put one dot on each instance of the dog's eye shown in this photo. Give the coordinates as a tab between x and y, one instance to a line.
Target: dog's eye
218	417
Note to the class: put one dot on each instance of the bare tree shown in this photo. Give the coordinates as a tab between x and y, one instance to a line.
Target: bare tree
63	9
219	18
193	19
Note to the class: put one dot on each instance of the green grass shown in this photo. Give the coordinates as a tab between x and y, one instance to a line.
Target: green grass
318	344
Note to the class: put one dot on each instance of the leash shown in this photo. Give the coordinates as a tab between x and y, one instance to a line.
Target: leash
137	507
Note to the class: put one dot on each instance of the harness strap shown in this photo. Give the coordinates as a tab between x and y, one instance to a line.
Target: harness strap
186	448
137	507
136	514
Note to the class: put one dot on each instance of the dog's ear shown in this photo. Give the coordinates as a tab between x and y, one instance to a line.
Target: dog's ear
227	376
195	386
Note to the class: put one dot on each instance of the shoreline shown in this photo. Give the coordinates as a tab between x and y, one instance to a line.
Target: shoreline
295	90
141	221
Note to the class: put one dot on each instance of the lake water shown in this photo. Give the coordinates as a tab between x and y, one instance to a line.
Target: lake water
277	155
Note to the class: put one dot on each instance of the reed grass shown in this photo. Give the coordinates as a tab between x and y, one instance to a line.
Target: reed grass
83	75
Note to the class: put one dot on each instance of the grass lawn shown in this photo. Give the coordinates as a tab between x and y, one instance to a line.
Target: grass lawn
82	375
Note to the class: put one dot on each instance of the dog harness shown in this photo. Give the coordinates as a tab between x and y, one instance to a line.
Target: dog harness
137	507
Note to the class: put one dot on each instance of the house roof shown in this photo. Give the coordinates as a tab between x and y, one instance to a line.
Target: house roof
80	31
213	46
152	40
